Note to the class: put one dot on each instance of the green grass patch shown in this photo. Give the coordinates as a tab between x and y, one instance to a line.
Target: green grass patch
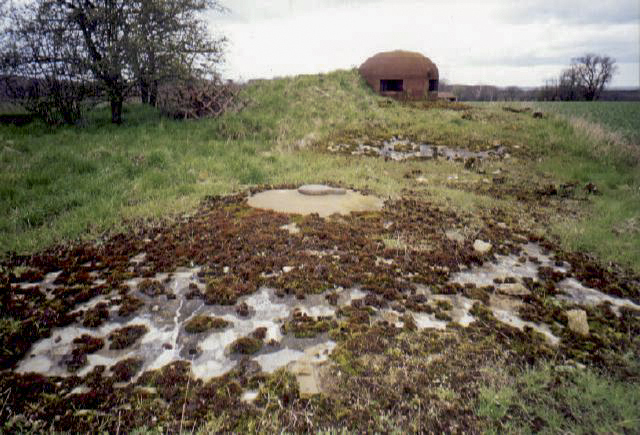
623	117
76	182
548	400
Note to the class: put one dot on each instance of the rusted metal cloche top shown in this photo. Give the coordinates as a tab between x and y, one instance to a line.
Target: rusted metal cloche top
399	64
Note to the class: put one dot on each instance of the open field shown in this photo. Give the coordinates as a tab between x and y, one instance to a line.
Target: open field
116	209
620	117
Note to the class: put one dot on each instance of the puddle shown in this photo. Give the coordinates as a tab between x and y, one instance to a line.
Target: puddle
402	149
164	315
509	266
506	302
579	294
292	201
512	319
166	340
429	321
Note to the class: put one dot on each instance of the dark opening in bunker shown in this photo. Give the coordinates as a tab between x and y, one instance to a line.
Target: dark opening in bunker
391	86
433	85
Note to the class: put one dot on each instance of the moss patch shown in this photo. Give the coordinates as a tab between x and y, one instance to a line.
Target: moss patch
125	337
245	346
205	323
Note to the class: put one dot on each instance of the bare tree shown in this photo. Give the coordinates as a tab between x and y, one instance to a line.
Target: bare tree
592	73
586	78
569	85
171	42
118	43
43	64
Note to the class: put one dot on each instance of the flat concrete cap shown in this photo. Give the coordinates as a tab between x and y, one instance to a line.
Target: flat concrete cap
320	190
292	201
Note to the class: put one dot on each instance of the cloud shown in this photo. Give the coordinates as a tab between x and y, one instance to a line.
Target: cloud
470	41
600	12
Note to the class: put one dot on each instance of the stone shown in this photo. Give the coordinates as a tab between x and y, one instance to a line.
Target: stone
249	396
482	247
287	269
320	190
292	228
578	322
454	236
516	289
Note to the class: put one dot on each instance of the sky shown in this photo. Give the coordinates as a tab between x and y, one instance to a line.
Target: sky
493	42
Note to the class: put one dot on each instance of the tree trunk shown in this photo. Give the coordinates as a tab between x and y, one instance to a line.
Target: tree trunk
116	109
153	93
144	91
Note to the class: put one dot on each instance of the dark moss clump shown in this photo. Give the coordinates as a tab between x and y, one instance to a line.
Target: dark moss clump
304	326
124	370
440	315
245	346
409	322
226	290
259	333
205	323
282	385
96	316
88	343
332	298
129	305
84	345
171	381
125	337
28	275
151	288
444	305
193	292
478	293
243	310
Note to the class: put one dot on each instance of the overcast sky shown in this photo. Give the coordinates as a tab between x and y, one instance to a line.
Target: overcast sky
498	42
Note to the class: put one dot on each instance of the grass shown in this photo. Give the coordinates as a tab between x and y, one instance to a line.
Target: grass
77	182
545	399
622	117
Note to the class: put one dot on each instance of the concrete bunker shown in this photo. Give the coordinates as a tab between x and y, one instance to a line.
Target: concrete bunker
402	74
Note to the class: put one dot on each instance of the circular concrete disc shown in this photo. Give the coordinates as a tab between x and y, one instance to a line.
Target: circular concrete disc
292	201
320	189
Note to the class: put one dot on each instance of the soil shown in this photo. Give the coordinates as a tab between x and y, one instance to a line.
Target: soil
380	366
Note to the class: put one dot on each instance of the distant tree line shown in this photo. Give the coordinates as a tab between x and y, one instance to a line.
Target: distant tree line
56	55
585	79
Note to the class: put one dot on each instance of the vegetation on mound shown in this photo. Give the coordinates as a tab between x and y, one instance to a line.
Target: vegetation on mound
151	288
125	337
205	323
83	345
124	370
568	399
79	181
304	326
245	346
96	316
